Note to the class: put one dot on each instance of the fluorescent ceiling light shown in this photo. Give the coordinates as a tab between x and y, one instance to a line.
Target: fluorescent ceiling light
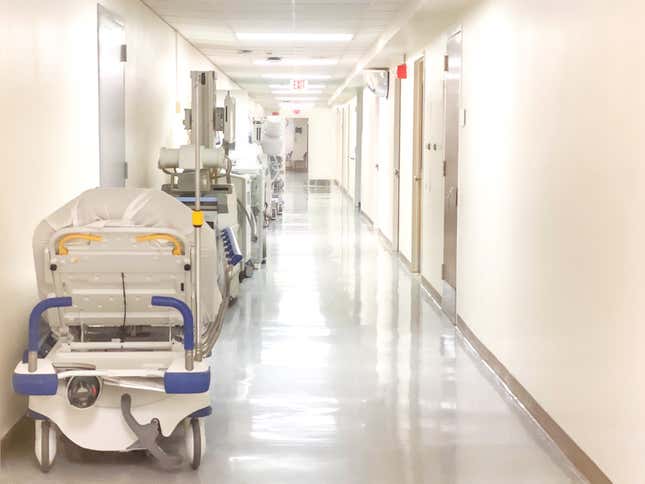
288	86
297	76
293	36
296	62
298	99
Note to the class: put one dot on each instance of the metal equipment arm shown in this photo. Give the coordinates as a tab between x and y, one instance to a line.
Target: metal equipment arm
250	217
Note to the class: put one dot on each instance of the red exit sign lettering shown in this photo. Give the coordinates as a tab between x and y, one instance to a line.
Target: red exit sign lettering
298	84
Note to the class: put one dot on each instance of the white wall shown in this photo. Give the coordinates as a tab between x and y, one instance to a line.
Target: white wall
550	247
346	127
340	146
377	185
49	139
157	88
385	180
352	143
369	153
322	144
551	211
49	130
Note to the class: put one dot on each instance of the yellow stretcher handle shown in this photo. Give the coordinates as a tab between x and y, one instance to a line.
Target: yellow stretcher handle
176	249
62	250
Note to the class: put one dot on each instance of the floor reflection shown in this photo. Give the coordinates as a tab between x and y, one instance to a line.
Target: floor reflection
335	366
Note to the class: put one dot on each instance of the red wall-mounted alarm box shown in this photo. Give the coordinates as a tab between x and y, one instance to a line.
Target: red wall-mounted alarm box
402	71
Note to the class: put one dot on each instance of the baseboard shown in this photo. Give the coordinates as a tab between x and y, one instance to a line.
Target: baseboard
432	292
319	182
406	263
367	218
344	191
583	463
384	240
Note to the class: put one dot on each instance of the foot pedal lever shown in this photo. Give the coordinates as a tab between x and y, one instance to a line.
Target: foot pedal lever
147	436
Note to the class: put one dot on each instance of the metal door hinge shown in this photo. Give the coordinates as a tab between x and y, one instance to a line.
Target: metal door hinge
445	167
446	63
125	170
456	197
124	53
443	272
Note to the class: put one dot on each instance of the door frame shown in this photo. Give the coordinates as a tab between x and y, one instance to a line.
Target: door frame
417	163
343	155
358	167
451	193
396	172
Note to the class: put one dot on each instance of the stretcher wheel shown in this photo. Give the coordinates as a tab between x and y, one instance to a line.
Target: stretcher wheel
195	441
45	444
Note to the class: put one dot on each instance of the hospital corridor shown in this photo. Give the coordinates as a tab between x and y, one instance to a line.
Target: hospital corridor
322	241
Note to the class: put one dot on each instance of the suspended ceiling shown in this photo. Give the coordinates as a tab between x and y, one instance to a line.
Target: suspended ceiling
212	25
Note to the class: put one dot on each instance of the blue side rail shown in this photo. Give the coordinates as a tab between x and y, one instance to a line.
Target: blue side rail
34	327
231	248
187	315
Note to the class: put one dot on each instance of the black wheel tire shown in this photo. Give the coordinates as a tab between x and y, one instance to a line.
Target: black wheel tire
45	462
196	459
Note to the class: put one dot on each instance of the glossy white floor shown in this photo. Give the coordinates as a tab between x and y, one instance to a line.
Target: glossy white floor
334	367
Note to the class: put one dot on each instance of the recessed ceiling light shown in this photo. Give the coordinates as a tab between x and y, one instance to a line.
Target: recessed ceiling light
296	76
296	62
298	99
293	36
304	92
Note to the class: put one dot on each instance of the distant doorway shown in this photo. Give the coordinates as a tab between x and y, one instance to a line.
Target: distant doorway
112	57
297	157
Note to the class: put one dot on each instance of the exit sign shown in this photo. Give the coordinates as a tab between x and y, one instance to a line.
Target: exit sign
298	84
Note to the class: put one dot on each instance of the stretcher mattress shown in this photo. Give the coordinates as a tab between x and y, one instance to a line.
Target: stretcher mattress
129	208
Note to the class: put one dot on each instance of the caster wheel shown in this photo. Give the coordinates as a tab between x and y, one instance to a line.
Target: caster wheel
45	444
195	441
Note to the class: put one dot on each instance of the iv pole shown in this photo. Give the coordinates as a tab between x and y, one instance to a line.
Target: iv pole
198	78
